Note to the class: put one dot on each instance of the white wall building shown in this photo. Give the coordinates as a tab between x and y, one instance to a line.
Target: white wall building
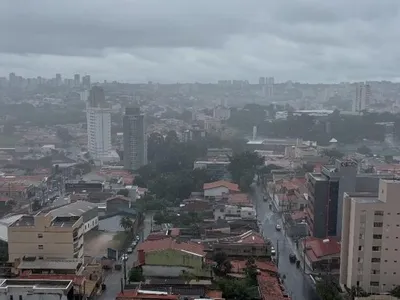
232	212
99	132
35	289
221	113
362	98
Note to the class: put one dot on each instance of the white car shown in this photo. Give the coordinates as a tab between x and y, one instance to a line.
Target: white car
129	250
273	252
278	227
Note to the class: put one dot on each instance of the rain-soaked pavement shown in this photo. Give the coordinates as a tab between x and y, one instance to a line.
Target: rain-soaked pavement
298	284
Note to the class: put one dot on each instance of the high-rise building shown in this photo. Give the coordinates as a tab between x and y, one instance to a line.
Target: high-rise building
370	245
135	139
98	124
362	98
58	79
86	81
261	81
77	80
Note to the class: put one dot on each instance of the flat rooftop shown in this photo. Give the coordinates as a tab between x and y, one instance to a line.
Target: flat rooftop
77	208
36	284
64	221
24	221
50	264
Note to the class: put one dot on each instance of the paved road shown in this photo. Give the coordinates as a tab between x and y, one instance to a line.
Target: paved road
298	285
113	279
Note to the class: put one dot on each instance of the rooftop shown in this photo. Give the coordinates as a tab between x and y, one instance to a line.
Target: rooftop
77	208
164	244
77	279
238	266
222	183
144	294
269	287
50	264
36	284
318	248
239	199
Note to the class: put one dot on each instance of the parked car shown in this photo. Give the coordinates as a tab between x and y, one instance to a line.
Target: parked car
278	227
292	258
137	237
129	250
134	243
273	252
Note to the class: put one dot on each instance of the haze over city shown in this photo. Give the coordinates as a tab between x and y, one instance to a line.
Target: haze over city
203	41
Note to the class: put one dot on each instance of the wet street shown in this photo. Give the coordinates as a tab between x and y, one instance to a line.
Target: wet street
113	279
298	285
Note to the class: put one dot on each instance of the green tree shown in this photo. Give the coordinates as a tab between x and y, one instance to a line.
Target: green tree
123	192
396	292
126	223
243	167
251	271
223	265
364	150
135	275
327	290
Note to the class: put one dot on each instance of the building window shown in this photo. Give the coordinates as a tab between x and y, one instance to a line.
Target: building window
361	236
374	283
376	248
20	297
40	247
375	260
375	272
377	236
360	248
378	224
378	213
360	260
40	235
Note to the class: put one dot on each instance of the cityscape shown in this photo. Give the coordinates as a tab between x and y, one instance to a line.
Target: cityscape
227	190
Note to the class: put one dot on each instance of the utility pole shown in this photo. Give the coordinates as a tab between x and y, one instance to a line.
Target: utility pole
124	271
277	253
304	254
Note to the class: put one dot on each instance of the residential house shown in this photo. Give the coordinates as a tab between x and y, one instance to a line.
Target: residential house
239	199
219	188
321	255
230	212
289	195
139	294
169	258
117	203
36	289
248	244
295	224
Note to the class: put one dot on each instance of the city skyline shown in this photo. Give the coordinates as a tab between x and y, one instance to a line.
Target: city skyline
180	41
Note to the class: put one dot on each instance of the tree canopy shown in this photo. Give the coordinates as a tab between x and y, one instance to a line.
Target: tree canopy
243	167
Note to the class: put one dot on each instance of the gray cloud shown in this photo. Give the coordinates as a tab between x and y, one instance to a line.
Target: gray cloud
201	40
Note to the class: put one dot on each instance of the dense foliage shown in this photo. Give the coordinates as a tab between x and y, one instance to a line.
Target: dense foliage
312	128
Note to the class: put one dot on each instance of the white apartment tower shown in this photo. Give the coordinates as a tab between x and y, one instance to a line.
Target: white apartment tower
370	246
135	139
362	98
98	118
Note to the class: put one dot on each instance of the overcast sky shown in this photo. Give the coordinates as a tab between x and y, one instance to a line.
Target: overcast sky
202	40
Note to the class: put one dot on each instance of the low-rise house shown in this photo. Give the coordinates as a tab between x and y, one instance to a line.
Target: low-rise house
169	258
219	188
118	203
289	195
270	287
36	289
321	255
248	244
239	199
230	212
139	294
295	224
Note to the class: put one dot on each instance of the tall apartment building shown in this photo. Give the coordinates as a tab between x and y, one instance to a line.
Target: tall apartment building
135	139
77	80
98	118
46	237
86	81
325	195
370	247
362	98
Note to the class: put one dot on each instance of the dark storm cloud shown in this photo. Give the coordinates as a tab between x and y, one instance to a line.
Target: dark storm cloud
188	40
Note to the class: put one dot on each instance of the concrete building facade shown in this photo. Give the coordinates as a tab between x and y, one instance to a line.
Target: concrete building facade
135	139
98	125
370	247
46	237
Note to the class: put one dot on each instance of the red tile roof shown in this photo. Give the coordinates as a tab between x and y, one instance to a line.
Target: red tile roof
169	243
78	280
298	215
239	199
233	187
318	248
213	294
269	287
239	265
135	294
4	199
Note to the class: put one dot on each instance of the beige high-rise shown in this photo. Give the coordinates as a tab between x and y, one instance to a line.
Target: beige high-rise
46	237
370	248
